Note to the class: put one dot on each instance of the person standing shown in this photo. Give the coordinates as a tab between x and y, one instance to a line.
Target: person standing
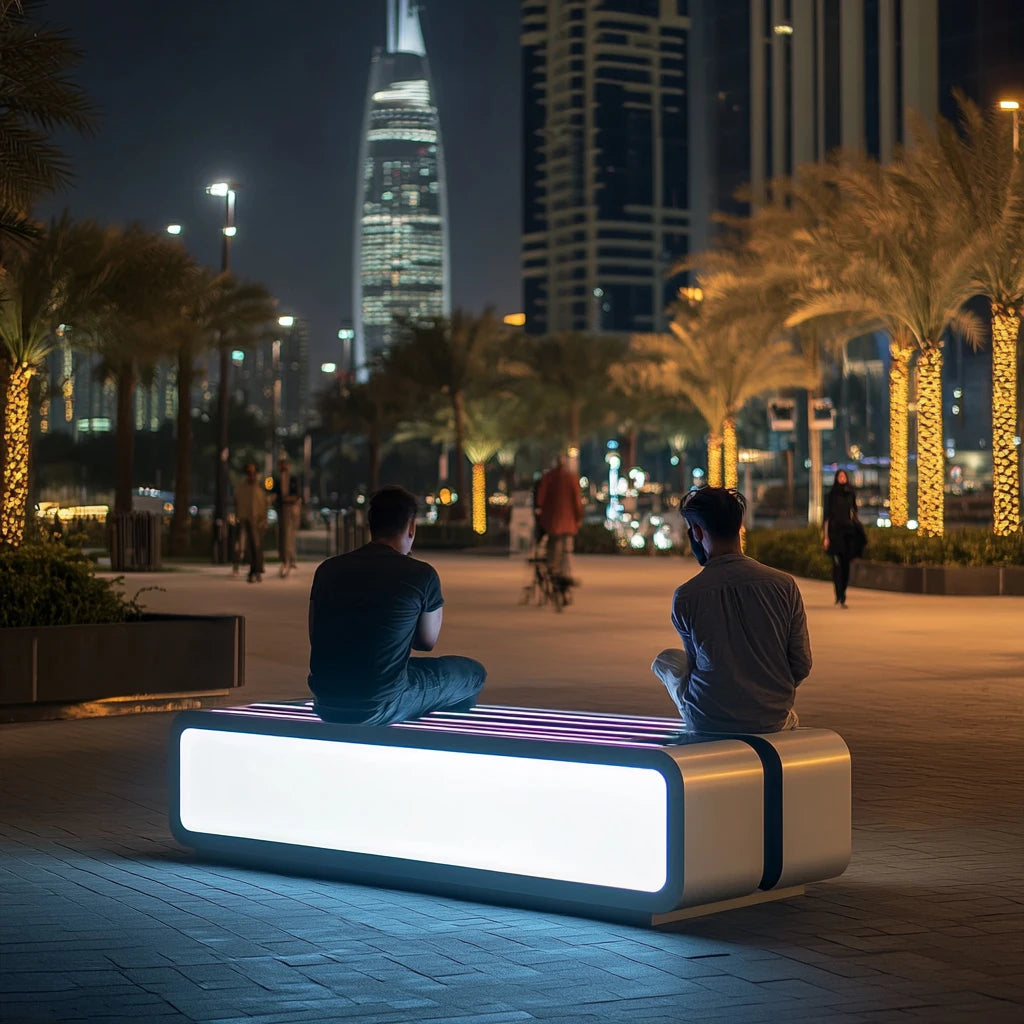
251	503
368	610
742	625
843	535
559	508
288	503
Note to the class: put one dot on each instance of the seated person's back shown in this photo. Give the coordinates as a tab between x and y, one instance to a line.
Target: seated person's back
368	610
366	607
742	626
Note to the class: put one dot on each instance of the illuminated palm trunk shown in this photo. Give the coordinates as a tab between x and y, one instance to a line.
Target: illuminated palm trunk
730	454
479	498
899	387
14	498
814	486
714	460
1005	466
931	450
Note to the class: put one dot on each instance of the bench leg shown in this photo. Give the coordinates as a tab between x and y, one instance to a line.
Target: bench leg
734	904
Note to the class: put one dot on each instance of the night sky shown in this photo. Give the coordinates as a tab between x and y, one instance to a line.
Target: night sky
271	95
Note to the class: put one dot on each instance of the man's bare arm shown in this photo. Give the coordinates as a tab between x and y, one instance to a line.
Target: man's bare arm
428	629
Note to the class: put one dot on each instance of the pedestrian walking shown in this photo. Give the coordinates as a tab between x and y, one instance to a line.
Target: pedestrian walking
843	534
251	502
288	503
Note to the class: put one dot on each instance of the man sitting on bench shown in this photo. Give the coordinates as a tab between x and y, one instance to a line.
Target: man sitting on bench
743	627
368	610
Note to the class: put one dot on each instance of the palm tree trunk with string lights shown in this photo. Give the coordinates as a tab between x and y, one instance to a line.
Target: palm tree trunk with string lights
931	451
16	448
1005	457
899	447
714	460
730	453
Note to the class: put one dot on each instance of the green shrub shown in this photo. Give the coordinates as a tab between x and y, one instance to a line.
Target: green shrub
54	585
800	551
595	539
795	551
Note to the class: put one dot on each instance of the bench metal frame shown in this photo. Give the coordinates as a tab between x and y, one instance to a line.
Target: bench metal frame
605	815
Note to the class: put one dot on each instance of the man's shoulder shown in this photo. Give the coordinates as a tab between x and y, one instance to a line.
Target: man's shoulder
735	570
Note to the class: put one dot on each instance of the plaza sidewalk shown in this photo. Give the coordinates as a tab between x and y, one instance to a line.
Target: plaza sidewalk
104	918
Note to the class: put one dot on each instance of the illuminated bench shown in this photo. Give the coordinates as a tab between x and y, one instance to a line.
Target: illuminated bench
610	815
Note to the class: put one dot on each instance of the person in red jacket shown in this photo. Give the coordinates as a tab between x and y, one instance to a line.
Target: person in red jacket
559	513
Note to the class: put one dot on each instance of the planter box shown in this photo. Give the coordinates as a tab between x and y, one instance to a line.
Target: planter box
905	579
948	580
162	654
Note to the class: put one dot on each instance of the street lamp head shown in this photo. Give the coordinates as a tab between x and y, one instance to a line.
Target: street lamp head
328	367
174	229
286	321
1009	105
219	189
230	230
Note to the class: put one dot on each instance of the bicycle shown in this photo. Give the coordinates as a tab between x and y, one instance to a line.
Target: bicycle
546	587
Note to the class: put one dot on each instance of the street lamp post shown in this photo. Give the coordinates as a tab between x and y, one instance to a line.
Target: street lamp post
223	190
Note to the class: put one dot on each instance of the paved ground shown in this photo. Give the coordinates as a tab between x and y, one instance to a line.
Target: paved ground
104	918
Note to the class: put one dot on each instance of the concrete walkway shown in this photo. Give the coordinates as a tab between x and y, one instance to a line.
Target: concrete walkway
104	918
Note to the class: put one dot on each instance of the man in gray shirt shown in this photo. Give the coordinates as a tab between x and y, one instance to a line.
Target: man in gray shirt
743	627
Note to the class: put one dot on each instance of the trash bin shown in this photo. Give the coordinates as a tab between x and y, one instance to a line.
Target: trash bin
350	530
134	541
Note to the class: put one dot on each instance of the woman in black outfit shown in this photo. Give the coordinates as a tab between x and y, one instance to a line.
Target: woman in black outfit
843	534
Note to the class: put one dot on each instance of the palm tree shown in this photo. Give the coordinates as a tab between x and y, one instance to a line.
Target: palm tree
567	377
37	98
212	309
39	289
719	372
973	170
892	254
373	407
442	360
132	281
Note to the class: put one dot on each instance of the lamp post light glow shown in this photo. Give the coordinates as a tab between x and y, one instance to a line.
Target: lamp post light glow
223	190
174	229
286	321
328	368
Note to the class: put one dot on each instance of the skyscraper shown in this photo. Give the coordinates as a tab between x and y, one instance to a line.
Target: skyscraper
401	239
605	173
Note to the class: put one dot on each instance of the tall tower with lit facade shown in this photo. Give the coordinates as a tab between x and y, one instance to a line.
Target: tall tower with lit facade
401	239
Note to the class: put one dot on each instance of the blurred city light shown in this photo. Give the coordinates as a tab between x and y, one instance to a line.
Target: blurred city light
218	188
286	321
174	229
328	367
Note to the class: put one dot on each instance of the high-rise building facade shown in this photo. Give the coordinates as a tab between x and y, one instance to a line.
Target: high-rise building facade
774	84
605	154
401	239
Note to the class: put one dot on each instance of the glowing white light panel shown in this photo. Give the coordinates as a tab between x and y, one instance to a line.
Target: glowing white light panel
591	823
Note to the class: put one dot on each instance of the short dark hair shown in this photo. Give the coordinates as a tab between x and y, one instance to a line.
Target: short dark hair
391	511
719	510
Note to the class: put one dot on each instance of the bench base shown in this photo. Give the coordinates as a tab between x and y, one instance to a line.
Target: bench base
657	920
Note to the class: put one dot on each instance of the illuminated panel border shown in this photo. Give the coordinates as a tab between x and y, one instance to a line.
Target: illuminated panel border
568	822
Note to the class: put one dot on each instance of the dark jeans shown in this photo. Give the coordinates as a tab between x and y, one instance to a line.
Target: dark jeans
450	683
841	575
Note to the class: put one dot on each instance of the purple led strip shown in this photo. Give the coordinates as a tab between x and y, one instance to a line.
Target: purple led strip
509	723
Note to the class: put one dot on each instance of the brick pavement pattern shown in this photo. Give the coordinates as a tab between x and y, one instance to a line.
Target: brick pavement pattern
104	918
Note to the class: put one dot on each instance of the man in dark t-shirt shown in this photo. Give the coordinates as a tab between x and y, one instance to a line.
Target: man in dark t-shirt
368	610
